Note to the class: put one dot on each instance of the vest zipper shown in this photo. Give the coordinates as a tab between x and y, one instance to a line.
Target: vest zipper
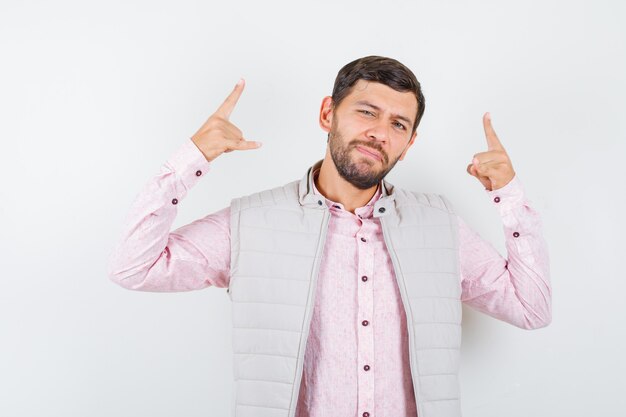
406	305
309	312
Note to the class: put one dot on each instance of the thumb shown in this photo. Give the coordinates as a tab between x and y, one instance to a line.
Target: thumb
242	145
485	181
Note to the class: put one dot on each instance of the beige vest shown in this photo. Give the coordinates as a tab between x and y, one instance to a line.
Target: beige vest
277	241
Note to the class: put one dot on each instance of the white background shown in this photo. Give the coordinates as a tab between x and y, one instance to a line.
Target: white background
95	97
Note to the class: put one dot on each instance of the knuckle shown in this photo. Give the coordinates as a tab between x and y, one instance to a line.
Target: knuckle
236	143
214	122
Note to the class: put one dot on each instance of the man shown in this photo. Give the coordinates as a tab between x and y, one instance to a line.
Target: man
346	291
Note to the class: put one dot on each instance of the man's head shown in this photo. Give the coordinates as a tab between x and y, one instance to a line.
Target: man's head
371	118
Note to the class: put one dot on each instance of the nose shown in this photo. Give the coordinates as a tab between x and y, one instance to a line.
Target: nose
378	130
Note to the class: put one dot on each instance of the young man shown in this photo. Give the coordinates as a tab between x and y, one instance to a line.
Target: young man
346	291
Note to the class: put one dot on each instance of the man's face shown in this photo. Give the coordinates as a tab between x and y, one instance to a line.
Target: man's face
370	131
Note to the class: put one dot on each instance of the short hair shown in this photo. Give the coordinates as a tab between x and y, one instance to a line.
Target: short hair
387	71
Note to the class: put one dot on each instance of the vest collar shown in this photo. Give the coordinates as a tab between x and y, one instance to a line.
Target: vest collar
308	197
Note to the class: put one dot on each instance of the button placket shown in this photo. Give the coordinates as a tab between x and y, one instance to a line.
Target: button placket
365	334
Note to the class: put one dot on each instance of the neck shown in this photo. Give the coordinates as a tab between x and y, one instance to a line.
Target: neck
335	188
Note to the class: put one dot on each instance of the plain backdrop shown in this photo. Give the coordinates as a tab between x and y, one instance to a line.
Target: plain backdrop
95	96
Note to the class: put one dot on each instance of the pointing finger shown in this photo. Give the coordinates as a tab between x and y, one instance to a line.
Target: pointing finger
228	105
492	139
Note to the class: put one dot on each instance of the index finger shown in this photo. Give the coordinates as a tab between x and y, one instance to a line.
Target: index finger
228	105
492	139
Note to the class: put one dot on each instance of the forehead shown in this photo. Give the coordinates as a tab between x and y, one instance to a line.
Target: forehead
383	96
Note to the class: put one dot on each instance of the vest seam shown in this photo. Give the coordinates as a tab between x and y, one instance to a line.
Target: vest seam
279	230
423	205
296	207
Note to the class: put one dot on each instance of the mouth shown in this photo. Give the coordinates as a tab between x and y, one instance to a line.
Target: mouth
369	152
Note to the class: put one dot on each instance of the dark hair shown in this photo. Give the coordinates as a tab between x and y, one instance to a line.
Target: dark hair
383	70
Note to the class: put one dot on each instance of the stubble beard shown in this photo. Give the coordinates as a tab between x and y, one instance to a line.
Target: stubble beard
359	172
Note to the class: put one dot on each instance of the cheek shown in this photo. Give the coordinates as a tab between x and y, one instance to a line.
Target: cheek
403	148
352	126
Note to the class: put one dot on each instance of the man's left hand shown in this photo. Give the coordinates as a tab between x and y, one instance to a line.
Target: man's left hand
492	168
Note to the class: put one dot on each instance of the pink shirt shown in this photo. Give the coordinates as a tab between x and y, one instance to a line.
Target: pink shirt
356	359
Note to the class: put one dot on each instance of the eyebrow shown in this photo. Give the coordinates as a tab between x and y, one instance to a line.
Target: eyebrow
397	116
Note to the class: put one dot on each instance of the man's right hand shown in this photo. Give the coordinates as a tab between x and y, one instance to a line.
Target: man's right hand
218	135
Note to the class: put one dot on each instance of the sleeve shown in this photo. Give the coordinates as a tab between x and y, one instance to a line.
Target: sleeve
149	257
517	289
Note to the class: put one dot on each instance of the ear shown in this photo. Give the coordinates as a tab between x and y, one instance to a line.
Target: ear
326	114
408	145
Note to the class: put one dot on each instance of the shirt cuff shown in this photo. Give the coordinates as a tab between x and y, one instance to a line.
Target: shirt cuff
188	163
508	197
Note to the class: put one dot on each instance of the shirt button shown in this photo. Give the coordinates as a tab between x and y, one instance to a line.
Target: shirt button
175	201
364	278
319	202
336	206
363	239
366	414
381	210
515	234
198	173
365	322
366	367
497	199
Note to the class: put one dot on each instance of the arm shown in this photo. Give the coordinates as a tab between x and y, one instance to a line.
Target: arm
149	257
197	255
516	290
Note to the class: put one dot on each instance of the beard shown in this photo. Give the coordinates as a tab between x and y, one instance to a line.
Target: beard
359	171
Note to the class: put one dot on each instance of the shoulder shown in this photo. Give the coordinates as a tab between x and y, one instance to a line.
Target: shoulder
407	198
286	194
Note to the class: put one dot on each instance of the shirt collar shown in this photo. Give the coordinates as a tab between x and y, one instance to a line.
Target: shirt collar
313	199
363	212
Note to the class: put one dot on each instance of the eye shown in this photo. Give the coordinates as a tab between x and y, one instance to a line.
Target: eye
400	125
366	112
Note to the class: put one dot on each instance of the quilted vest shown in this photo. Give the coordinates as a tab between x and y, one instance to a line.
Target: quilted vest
277	242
